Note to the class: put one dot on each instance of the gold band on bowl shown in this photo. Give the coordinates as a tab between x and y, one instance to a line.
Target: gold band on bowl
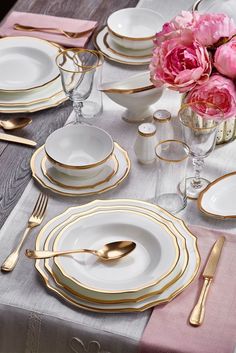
89	166
130	38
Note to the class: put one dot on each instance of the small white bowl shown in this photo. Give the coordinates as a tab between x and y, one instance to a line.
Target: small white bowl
136	93
79	150
134	28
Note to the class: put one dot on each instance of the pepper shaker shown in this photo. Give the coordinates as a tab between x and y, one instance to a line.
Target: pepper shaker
145	143
162	121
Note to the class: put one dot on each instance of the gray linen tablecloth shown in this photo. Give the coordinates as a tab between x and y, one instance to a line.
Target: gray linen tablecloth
32	319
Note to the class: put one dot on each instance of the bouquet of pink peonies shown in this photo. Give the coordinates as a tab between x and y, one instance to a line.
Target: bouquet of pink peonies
195	54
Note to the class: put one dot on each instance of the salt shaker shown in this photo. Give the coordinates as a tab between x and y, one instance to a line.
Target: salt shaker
162	121
145	143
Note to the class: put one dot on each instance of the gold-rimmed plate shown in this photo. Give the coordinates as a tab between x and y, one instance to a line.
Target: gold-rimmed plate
155	256
26	63
53	101
152	210
135	296
114	53
29	98
70	182
126	53
216	199
122	172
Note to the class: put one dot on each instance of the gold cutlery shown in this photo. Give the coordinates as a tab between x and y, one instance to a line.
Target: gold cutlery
17	139
34	221
110	251
72	35
197	315
15	123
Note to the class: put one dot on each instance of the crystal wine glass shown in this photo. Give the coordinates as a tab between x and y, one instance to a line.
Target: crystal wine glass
200	122
78	69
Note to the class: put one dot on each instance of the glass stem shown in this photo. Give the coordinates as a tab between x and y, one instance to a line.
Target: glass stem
78	111
198	164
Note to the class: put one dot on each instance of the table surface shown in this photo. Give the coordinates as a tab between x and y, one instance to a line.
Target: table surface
14	159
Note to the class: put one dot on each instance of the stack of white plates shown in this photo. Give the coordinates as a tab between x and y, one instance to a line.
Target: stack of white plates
30	79
128	36
80	160
164	262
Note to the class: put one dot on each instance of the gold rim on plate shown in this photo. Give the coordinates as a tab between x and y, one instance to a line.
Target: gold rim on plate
37	39
34	109
36	101
42	183
134	63
122	54
173	264
202	193
66	297
54	181
122	208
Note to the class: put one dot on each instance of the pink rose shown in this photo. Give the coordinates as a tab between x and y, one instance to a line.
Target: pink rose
180	62
209	28
225	59
219	91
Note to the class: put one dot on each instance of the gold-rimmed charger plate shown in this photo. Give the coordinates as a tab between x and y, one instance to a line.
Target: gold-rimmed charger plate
69	182
187	277
29	98
70	282
53	101
122	173
26	63
99	43
156	254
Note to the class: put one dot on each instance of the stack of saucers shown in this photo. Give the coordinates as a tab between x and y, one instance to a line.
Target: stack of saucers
80	160
164	262
128	36
30	79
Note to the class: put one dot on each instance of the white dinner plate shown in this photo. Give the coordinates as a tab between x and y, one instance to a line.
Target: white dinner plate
48	233
122	172
218	199
54	101
118	54
66	181
102	297
26	63
31	97
155	256
227	7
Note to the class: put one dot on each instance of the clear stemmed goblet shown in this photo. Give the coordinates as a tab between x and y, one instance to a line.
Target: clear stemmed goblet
79	68
199	122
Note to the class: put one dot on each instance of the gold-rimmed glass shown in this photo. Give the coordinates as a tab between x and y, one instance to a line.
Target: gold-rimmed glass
199	122
80	71
172	157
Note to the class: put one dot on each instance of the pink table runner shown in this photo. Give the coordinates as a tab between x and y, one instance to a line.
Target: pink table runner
168	330
37	20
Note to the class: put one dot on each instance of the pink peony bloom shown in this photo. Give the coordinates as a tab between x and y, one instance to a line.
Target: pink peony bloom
218	90
209	28
180	62
186	20
225	59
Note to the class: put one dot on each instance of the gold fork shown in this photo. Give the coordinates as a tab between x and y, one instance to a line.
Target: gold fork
68	34
34	221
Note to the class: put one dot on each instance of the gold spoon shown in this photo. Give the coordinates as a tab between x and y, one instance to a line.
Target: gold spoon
15	123
110	251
